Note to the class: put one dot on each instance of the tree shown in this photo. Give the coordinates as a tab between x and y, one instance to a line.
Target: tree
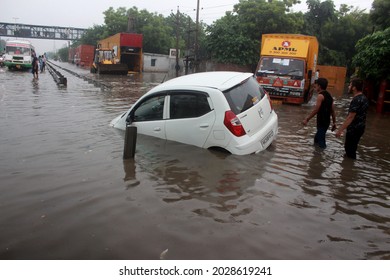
157	36
372	55
336	31
226	43
187	30
340	36
380	14
318	15
257	17
116	21
235	38
93	35
63	53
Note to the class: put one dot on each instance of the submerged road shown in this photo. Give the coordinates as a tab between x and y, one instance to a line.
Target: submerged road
66	193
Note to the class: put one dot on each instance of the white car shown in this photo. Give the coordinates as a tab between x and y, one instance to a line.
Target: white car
227	110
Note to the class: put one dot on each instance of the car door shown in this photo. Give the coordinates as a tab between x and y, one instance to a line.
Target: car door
191	117
148	116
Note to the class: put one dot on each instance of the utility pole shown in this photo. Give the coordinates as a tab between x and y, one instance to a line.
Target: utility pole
177	67
188	46
196	38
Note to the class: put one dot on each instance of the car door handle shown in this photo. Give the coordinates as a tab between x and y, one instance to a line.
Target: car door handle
157	129
204	125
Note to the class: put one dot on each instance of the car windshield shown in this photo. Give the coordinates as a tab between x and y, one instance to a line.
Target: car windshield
244	96
281	66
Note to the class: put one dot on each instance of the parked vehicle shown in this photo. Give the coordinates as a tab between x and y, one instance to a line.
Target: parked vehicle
127	48
227	110
105	63
287	65
2	60
18	54
83	55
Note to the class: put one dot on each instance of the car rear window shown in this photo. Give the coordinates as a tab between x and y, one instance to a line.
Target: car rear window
244	96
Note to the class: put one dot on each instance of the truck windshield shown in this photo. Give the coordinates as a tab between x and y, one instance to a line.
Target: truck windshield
281	66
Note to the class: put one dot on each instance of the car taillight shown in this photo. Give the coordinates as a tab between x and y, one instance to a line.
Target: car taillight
233	124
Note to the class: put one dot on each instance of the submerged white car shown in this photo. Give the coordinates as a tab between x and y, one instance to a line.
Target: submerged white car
227	110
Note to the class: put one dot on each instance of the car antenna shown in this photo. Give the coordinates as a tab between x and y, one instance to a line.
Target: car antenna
163	80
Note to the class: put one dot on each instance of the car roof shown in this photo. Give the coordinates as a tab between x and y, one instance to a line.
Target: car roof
222	80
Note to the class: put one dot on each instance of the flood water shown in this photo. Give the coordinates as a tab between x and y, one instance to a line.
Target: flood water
66	193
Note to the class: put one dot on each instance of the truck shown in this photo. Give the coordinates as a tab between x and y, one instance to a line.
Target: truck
287	67
126	49
84	55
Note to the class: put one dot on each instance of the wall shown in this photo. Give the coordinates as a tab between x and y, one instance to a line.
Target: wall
336	78
162	63
166	63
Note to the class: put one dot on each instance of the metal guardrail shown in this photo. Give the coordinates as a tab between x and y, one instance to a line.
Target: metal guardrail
85	78
57	76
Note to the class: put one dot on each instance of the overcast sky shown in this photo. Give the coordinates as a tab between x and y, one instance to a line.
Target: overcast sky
86	13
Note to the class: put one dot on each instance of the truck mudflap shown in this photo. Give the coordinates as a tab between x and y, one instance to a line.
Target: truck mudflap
112	69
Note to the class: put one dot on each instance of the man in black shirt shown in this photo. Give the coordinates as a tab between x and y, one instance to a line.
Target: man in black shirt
324	109
355	123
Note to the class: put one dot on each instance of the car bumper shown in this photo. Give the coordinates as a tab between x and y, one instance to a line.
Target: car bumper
257	142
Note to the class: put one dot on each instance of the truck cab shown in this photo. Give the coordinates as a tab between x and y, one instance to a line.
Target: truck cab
286	65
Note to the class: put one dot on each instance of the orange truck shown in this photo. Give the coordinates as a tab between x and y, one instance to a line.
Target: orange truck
126	49
287	66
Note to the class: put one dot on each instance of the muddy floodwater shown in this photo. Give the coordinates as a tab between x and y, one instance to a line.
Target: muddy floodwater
66	193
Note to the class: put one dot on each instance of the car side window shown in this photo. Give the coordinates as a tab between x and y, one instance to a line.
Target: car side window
151	109
188	105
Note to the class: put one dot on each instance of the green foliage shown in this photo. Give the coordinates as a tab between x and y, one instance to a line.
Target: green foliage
235	38
227	44
63	54
372	57
380	13
318	15
340	36
259	16
336	31
157	36
92	35
159	33
116	21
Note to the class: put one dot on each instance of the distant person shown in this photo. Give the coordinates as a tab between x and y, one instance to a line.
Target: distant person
355	123
43	63
324	109
40	62
35	66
